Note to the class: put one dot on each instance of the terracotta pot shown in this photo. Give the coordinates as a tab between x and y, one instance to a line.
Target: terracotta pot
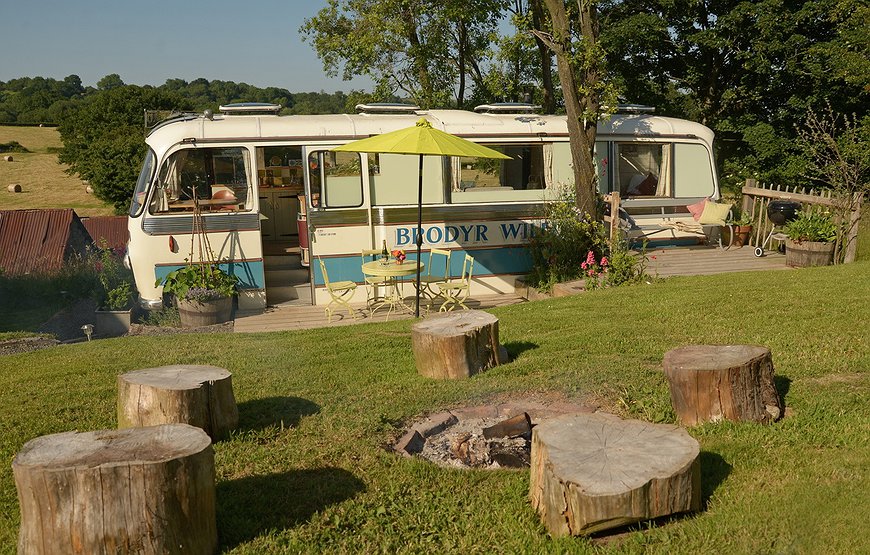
741	235
803	254
195	314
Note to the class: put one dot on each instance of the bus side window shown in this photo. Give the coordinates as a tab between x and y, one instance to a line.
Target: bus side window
208	179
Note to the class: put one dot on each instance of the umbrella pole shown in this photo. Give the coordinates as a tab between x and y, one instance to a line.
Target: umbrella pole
419	234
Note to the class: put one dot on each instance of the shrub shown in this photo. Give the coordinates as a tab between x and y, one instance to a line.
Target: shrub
812	226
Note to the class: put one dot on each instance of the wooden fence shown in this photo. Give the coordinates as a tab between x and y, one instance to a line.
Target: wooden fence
847	212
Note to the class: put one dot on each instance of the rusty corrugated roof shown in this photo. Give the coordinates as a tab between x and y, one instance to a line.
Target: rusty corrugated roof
35	241
112	229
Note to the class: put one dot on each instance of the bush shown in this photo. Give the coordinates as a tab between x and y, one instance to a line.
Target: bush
812	226
561	245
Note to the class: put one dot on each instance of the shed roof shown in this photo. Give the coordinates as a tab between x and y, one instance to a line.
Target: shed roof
36	241
111	229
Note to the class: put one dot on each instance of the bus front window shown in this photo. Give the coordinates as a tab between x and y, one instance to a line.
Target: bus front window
142	183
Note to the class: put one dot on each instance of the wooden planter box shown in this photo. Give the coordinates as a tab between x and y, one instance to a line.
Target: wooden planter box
195	314
803	254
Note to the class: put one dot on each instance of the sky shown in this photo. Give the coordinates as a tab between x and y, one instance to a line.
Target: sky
147	42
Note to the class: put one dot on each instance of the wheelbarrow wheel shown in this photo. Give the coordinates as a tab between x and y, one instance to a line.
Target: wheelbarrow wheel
759	252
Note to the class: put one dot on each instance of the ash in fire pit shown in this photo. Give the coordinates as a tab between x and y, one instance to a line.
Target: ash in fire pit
488	436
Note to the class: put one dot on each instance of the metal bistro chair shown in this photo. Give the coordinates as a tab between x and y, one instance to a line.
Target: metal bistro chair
431	284
373	283
340	293
456	292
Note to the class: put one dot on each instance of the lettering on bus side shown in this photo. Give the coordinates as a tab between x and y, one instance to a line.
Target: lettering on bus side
468	233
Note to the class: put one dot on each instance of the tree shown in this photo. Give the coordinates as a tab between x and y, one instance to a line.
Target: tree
103	141
425	49
573	38
111	81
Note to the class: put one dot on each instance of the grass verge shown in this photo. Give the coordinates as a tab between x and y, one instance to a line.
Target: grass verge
306	471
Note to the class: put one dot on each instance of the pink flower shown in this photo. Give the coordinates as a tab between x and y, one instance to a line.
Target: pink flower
584	265
591	273
604	261
590	257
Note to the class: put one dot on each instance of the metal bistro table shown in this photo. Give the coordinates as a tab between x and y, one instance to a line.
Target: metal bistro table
391	270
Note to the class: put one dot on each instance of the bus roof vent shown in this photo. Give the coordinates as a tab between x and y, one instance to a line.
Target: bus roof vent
634	109
386	108
507	108
241	108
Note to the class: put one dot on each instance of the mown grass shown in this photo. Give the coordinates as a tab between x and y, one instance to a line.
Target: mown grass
43	181
307	472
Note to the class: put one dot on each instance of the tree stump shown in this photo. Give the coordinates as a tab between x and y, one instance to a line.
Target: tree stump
592	472
457	344
712	382
142	490
201	396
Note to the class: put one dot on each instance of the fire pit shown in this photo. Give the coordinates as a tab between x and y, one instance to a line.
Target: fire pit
486	436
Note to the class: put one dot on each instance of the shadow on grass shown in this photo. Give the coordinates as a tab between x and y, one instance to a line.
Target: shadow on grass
258	414
248	507
714	470
782	384
516	348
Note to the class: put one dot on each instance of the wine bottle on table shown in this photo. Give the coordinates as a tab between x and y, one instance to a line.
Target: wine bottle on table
385	254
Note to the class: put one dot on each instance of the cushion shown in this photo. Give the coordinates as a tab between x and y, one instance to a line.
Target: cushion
697	209
714	213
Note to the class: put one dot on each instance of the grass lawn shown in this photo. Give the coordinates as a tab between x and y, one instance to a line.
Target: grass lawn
307	472
43	181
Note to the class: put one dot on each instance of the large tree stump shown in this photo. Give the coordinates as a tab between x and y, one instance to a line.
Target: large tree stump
712	382
201	396
141	490
592	472
457	344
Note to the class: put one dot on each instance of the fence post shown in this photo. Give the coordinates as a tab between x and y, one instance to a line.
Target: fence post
614	217
852	230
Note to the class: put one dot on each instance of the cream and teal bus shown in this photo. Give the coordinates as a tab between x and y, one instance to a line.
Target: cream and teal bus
269	194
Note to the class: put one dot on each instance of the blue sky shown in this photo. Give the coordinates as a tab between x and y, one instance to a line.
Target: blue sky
147	42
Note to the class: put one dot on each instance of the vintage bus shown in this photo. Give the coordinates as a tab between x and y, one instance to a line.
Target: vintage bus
270	194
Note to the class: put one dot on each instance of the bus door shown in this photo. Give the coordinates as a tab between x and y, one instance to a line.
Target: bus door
338	217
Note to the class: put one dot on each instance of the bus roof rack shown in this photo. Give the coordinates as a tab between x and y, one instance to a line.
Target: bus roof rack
386	108
507	108
634	109
250	108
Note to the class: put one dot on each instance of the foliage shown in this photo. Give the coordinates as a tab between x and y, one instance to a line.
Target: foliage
837	149
625	266
771	60
27	301
559	247
116	281
739	218
812	226
164	317
306	471
425	50
104	142
199	282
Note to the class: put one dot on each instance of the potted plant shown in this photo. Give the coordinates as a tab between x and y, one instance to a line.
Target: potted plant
740	228
203	293
810	240
115	294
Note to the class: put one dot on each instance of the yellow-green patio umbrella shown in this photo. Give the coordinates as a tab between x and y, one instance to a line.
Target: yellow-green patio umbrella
422	140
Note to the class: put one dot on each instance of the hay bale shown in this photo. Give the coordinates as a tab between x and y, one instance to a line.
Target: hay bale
14	188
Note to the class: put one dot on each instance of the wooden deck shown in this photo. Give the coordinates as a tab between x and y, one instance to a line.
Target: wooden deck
662	262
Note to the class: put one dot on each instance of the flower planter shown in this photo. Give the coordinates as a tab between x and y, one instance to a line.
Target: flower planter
737	235
194	314
803	254
112	323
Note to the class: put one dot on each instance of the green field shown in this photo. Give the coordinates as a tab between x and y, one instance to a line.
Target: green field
307	471
42	178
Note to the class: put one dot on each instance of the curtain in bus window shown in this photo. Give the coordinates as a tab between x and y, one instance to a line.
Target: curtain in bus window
693	173
641	168
548	166
398	179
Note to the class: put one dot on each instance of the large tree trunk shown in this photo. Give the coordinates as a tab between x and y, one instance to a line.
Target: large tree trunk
141	490
592	472
457	344
580	81
709	383
198	395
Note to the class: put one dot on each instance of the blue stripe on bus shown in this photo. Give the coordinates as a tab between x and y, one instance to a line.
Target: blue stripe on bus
251	273
487	262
